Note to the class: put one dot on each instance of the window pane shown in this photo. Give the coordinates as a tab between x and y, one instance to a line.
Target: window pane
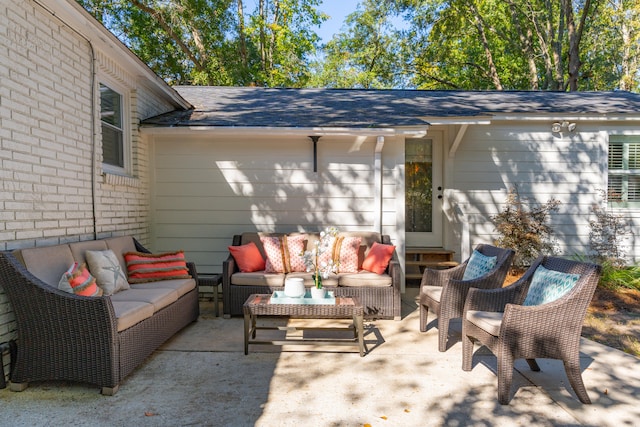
615	156
112	146
614	190
110	106
418	187
634	155
633	193
112	132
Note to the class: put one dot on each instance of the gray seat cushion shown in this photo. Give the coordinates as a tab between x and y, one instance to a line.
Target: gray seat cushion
258	278
79	249
182	286
364	278
433	292
489	321
158	297
48	263
130	313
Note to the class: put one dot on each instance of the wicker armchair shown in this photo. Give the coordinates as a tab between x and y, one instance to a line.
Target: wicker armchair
497	319
444	291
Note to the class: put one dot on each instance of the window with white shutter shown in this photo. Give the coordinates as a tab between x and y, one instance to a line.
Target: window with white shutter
624	170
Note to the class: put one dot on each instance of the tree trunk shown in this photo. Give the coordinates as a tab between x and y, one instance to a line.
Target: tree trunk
526	46
262	10
493	71
575	36
242	40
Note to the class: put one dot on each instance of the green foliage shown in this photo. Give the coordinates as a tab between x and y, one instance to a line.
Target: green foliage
615	276
366	55
447	44
212	42
525	229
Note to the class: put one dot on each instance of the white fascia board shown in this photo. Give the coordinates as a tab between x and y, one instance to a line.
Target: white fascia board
284	131
475	120
73	14
568	116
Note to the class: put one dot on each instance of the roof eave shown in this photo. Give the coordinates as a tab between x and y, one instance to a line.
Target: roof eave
411	131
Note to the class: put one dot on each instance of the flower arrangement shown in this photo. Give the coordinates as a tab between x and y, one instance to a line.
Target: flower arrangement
312	258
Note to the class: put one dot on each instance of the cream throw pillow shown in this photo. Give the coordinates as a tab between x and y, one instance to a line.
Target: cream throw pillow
107	270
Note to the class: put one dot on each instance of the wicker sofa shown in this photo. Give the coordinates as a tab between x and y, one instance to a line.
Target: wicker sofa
96	340
378	293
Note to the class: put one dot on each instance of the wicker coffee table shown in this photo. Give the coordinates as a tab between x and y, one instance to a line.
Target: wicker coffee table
344	308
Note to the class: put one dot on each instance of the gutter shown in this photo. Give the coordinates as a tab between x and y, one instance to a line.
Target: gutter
92	91
413	131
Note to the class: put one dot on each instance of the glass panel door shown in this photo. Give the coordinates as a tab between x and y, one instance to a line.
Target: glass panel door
423	214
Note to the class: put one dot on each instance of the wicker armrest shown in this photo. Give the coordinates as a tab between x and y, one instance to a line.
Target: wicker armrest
493	299
434	277
191	266
41	309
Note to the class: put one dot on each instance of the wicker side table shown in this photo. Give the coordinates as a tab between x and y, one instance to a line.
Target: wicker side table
212	280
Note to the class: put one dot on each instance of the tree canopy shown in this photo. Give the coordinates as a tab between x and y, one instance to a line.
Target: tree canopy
441	44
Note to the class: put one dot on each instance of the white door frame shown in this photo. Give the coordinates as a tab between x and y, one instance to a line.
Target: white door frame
436	236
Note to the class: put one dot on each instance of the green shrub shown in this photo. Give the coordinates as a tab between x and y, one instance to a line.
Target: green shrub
615	276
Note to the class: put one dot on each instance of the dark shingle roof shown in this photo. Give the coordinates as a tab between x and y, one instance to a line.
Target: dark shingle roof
355	108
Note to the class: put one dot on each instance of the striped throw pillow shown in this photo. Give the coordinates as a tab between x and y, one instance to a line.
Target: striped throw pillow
143	267
345	253
283	253
78	280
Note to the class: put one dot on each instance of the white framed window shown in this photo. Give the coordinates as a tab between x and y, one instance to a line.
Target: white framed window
115	133
623	188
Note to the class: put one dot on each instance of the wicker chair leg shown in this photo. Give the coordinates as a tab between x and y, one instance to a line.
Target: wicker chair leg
533	365
443	333
424	314
18	386
467	353
505	378
572	368
109	391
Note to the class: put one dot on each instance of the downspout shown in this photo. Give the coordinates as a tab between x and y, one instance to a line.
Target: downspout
92	91
377	179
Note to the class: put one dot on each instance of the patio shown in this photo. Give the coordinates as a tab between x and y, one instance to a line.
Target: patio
202	377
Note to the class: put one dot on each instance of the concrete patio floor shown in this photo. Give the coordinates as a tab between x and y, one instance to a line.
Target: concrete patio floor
202	378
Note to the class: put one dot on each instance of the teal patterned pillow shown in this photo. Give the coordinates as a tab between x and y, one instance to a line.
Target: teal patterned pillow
478	265
548	285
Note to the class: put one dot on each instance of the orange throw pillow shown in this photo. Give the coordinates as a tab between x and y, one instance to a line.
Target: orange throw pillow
143	267
378	258
248	257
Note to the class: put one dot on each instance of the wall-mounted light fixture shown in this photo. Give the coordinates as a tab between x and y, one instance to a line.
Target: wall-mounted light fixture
565	126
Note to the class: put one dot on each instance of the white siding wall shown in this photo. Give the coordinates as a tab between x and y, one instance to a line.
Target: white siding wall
46	141
491	159
206	189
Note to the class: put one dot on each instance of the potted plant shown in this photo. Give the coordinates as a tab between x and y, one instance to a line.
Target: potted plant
320	265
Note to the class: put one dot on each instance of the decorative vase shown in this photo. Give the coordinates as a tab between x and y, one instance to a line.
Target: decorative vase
294	287
318	293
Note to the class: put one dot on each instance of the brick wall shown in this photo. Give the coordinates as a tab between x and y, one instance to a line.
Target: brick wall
46	141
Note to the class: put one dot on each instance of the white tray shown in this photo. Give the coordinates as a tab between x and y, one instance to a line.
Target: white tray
279	297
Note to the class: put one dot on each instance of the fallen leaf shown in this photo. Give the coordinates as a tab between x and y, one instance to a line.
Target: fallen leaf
407	411
383	417
367	425
606	391
149	414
